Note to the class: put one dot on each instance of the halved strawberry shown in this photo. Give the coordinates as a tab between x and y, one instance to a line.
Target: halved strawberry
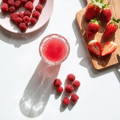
109	48
95	47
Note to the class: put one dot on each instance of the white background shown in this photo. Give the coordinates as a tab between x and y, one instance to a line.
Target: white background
99	93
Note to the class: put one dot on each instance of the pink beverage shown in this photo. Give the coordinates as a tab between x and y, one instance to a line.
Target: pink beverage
54	49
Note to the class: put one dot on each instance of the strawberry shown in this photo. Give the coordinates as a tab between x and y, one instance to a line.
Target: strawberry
93	9
109	48
106	14
92	28
95	47
111	28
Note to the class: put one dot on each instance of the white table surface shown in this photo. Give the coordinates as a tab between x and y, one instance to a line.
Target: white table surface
99	93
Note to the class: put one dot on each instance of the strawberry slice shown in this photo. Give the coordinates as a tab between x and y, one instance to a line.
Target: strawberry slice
109	48
95	47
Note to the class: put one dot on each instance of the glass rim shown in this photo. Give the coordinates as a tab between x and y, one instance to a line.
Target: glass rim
54	36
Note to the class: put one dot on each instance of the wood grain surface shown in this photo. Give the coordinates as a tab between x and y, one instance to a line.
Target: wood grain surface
100	63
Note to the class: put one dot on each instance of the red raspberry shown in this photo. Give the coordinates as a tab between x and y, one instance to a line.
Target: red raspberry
11	2
26	19
21	14
39	8
12	9
22	27
57	83
4	1
4	7
60	89
35	14
76	84
74	98
23	1
71	77
69	88
13	16
29	6
27	13
17	3
31	0
33	21
18	20
42	2
66	101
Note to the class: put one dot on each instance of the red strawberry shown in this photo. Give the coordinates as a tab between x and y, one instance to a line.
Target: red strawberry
95	47
92	28
106	14
93	9
111	28
109	48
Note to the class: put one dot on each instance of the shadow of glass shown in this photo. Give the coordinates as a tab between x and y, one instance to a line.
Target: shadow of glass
38	90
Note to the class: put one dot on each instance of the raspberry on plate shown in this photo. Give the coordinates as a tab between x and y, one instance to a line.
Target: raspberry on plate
4	7
22	27
27	13
59	90
66	101
29	6
17	3
57	83
76	84
71	77
74	98
42	1
33	21
21	14
10	2
26	19
18	20
69	88
12	9
36	14
39	8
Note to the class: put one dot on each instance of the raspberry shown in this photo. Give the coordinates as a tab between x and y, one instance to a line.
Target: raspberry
29	6
76	84
66	101
60	89
23	1
22	27
17	3
42	1
21	14
11	2
26	19
27	13
13	16
74	98
69	88
4	1
18	20
57	83
31	0
4	7
39	8
71	77
36	14
33	21
12	9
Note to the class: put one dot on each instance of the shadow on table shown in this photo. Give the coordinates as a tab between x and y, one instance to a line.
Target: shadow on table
38	90
85	56
18	40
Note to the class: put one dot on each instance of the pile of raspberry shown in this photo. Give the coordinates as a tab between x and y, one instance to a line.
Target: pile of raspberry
24	19
69	89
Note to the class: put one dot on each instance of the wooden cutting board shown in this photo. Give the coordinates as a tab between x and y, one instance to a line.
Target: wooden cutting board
107	61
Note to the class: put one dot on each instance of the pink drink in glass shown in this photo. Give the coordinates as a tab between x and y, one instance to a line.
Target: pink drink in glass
54	49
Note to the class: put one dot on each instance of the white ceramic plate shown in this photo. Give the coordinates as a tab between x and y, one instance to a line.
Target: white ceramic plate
9	27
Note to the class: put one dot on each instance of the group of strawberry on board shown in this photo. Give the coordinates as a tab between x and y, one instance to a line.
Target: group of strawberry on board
23	19
70	88
99	14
